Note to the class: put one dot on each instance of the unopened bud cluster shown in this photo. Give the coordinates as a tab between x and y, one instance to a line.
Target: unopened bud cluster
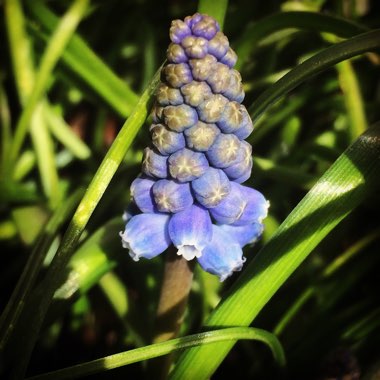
189	193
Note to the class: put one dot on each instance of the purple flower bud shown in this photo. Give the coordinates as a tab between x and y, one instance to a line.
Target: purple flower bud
230	58
196	93
210	111
240	171
157	114
172	196
246	126
211	188
142	195
202	68
146	235
240	207
206	27
223	255
194	19
219	78
219	45
244	235
190	231
177	74
186	165
176	54
256	207
201	136
195	47
231	118
224	151
166	95
165	140
230	209
178	118
234	90
154	164
178	31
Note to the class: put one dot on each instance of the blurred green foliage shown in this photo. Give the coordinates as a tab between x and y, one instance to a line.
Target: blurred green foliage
71	74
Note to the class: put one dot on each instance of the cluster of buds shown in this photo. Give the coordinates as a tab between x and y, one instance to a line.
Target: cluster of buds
189	193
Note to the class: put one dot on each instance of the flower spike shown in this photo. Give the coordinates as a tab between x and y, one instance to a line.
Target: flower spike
190	193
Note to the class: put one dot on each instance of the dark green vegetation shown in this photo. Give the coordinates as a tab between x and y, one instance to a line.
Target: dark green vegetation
71	74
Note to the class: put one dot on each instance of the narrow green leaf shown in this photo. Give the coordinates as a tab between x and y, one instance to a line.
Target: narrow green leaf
24	165
57	44
19	44
5	127
39	303
353	99
300	20
164	348
314	65
45	155
64	134
344	186
90	261
15	305
335	265
85	63
116	292
281	173
214	8
25	78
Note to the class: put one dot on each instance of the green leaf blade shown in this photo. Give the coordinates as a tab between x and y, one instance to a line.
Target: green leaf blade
339	52
344	186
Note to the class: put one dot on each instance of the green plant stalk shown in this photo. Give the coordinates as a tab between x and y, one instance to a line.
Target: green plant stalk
321	61
164	348
343	187
300	20
87	65
353	99
57	44
16	303
215	8
79	221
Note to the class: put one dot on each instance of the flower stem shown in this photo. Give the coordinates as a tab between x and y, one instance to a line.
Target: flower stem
175	289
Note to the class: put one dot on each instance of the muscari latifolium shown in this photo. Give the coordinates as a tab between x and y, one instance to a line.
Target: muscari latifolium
190	191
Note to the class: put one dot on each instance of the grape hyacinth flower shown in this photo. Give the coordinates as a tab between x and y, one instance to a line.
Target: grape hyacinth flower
190	193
